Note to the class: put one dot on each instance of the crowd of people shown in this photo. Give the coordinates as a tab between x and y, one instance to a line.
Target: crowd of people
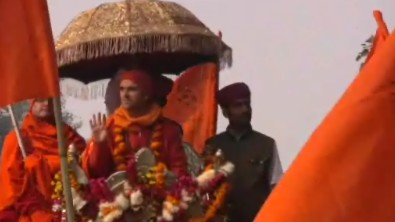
134	123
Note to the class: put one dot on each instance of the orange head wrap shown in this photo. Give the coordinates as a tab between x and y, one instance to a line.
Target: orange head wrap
35	100
31	105
140	77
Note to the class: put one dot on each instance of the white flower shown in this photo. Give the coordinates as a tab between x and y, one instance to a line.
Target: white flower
136	199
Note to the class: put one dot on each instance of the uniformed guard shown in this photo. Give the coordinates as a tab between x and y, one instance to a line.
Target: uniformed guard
257	164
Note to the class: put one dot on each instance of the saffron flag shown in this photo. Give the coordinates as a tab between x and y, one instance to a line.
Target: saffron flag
27	59
345	172
193	104
381	34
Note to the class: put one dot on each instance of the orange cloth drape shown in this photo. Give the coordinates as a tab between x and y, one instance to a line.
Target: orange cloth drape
27	60
34	174
121	117
192	103
345	172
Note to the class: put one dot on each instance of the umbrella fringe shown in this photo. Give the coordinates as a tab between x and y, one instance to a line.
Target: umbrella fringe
79	90
145	44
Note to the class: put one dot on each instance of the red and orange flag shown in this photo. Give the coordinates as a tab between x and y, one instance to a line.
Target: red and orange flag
345	172
381	33
193	104
27	59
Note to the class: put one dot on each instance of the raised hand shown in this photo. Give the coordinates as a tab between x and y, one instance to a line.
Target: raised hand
98	126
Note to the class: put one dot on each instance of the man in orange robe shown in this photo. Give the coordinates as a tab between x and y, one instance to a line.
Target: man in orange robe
137	123
25	184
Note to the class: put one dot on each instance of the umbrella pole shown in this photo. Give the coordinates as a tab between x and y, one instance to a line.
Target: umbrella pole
63	158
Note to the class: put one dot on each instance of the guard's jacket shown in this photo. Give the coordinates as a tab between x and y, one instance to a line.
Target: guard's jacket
252	155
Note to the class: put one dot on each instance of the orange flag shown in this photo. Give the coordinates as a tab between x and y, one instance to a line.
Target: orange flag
193	104
27	58
345	172
381	34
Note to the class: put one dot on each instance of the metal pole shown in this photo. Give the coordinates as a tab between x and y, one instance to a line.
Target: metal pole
63	160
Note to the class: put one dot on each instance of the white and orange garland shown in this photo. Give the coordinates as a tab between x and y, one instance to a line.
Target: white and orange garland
175	200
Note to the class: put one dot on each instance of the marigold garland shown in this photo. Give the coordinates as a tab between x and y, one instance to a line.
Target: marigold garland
209	167
156	176
58	205
175	201
218	202
109	210
213	208
58	185
120	151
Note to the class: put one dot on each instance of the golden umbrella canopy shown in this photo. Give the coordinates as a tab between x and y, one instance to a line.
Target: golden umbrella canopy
158	35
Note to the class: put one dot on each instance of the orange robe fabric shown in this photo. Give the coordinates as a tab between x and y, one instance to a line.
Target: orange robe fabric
28	43
345	172
192	103
26	184
98	160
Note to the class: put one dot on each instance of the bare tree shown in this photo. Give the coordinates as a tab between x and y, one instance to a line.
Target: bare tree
366	47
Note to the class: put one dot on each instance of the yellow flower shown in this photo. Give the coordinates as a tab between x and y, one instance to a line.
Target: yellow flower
156	145
118	138
117	130
122	145
161	167
152	182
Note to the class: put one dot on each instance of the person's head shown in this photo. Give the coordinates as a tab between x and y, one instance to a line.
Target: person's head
163	87
235	102
136	89
41	108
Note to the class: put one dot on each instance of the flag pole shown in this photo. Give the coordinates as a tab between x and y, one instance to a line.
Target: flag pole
17	131
63	159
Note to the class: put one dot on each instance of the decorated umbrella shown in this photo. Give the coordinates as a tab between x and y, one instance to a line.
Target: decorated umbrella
158	35
161	37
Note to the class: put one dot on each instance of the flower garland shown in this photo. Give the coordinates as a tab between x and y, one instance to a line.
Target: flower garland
208	182
133	197
58	186
175	201
178	199
171	203
217	203
57	194
220	196
110	211
156	176
120	151
185	189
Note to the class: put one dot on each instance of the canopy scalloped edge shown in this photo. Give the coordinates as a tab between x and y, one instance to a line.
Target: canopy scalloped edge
149	43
